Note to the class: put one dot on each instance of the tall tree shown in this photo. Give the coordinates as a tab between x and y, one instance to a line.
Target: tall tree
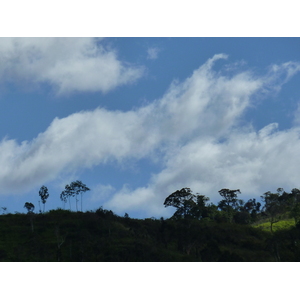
74	191
230	203
44	194
187	204
30	208
182	200
199	210
295	207
251	205
63	197
77	188
83	189
66	194
69	192
274	205
252	208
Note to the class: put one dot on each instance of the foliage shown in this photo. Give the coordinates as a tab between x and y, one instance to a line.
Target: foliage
29	206
230	203
62	235
294	203
73	189
44	194
77	187
232	230
276	205
188	205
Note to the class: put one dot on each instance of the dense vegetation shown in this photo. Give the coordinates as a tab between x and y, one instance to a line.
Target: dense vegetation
233	230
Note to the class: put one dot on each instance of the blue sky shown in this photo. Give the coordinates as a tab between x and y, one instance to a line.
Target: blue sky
137	118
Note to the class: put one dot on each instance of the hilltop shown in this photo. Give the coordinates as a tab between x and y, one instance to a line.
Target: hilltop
61	235
233	230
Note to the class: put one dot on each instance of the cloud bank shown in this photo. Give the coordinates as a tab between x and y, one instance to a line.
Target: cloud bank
193	130
67	64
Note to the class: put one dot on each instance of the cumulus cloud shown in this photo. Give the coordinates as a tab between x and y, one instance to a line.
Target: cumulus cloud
193	129
253	162
67	64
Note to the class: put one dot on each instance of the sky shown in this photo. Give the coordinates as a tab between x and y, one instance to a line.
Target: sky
136	119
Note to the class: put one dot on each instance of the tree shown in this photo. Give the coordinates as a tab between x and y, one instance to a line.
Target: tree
64	197
77	187
252	208
30	208
295	209
211	211
74	189
66	194
274	205
199	210
43	192
187	204
230	204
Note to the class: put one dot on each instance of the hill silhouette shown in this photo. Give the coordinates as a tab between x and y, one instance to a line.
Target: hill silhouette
199	231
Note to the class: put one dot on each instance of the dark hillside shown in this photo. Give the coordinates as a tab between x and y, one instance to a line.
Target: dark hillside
61	235
231	231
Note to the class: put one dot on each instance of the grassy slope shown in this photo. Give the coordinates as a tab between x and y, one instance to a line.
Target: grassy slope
280	225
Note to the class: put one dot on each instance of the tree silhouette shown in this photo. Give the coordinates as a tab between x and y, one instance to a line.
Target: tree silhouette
188	205
29	206
275	204
230	203
73	189
66	194
295	208
252	208
77	188
43	192
63	197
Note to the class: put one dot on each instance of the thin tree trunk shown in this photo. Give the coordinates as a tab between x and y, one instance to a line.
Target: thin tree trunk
272	227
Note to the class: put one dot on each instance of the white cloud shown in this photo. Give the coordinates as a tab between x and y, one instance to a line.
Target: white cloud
183	128
153	53
249	161
67	64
